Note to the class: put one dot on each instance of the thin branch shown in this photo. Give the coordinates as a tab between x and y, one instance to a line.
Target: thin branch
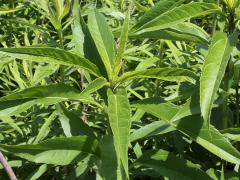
7	167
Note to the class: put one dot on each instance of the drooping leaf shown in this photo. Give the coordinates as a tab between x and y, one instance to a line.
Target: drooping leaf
167	74
119	119
177	15
170	166
213	71
180	32
52	55
58	151
54	91
50	94
193	126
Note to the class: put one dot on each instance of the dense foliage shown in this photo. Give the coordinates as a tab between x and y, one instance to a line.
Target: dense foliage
117	90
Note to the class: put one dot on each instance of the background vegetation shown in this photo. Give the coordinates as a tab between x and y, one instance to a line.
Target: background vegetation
127	89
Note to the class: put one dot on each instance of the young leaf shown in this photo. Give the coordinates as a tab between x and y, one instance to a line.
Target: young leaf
52	55
213	71
119	118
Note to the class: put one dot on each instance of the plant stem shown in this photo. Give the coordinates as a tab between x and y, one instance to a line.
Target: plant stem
60	35
215	20
231	28
237	103
7	167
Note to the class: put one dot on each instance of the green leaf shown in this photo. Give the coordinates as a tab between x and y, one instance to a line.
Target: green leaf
122	45
177	15
111	167
194	127
72	124
103	39
172	167
167	74
45	129
119	118
50	94
10	122
157	10
94	86
38	172
52	55
213	71
180	32
61	92
57	151
232	133
77	31
150	130
10	10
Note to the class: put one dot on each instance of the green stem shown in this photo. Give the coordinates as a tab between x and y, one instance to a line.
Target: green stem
60	35
237	105
231	28
162	43
215	20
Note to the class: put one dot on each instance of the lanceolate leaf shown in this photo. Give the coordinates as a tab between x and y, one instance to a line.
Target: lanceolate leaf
119	119
168	165
61	92
58	151
177	15
167	74
50	94
180	32
111	167
213	71
6	11
193	126
103	39
150	130
51	55
159	8
122	45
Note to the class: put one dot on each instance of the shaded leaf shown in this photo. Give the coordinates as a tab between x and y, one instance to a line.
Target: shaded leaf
168	165
213	71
